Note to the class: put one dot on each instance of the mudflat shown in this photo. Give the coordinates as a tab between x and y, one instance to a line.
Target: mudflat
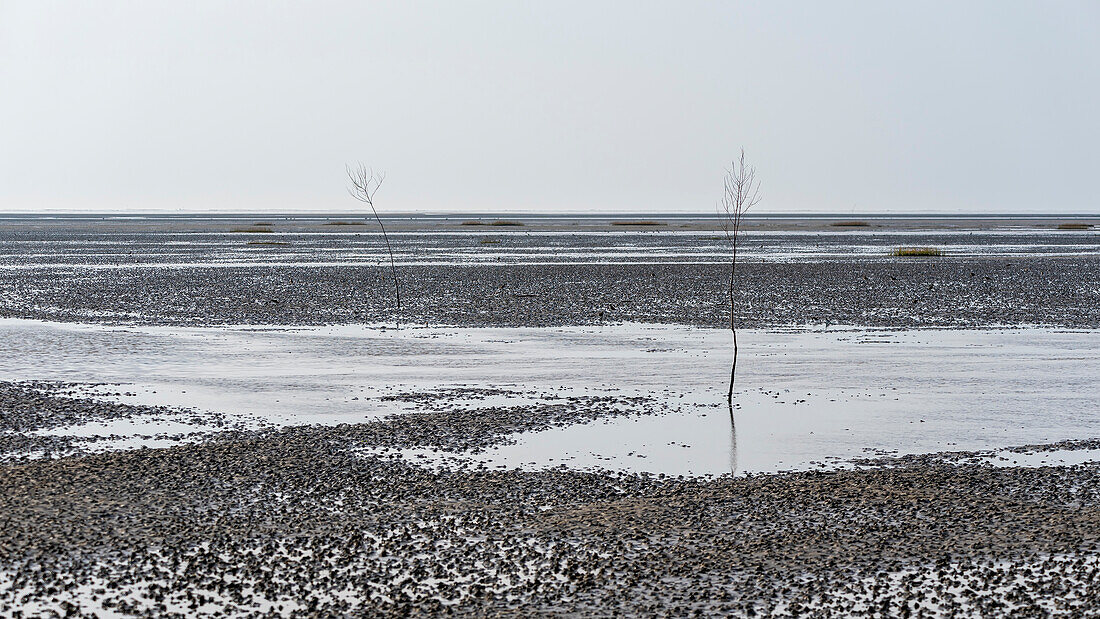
336	519
550	271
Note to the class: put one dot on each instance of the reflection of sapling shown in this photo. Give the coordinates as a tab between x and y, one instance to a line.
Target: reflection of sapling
741	191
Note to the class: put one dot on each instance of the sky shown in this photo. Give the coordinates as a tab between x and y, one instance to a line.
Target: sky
842	107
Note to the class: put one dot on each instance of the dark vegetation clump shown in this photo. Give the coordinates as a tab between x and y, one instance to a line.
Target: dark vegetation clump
640	222
910	252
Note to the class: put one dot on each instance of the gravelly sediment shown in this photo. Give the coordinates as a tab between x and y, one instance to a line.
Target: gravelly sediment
294	521
303	520
312	521
30	407
41	405
443	420
950	292
971	457
473	430
158	273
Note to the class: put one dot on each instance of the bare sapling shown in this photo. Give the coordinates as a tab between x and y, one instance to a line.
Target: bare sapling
363	183
741	191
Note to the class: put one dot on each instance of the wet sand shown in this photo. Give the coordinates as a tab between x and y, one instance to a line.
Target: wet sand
184	272
297	522
325	520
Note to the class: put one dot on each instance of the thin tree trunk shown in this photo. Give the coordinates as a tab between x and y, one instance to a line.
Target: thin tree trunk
364	183
733	322
393	267
741	192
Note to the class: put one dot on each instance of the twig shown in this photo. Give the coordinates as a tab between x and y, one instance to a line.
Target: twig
363	184
741	191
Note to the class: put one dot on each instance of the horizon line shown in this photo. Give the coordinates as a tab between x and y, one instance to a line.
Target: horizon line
586	214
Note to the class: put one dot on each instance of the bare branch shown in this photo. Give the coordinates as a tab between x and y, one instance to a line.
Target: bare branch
363	184
740	192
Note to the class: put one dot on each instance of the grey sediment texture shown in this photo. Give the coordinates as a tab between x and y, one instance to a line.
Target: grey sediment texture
328	521
202	273
29	408
293	518
952	293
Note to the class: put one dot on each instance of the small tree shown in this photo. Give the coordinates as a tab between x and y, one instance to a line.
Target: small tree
363	183
741	191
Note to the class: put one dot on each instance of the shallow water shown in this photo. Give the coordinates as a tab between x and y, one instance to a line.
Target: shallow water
805	398
92	248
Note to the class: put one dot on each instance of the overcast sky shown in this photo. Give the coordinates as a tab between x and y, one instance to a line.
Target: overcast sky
550	106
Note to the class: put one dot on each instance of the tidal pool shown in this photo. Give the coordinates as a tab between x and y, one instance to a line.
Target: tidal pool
812	398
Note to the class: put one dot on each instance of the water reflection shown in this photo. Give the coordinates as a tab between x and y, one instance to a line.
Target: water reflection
733	441
807	396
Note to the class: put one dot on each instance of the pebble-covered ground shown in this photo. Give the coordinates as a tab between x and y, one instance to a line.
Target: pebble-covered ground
332	521
299	273
297	521
30	410
329	520
963	292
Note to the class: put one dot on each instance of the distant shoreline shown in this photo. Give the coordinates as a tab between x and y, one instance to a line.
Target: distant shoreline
501	223
514	215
